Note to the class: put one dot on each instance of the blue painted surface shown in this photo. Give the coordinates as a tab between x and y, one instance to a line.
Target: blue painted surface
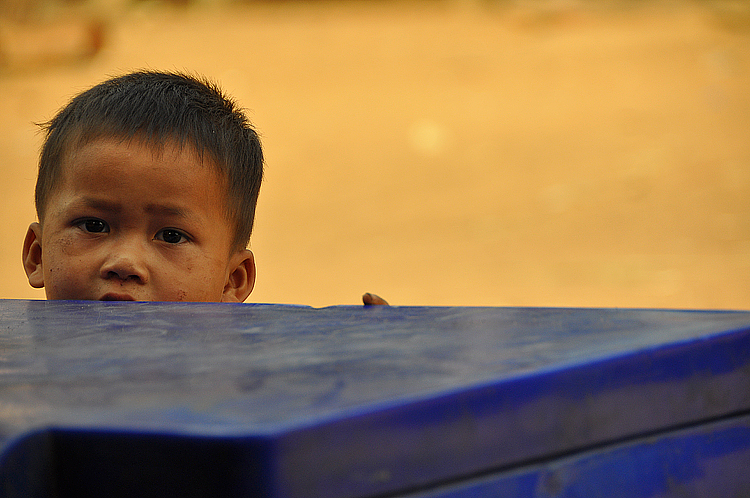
284	401
705	460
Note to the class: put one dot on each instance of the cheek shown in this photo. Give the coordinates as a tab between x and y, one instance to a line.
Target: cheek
66	245
193	281
64	268
64	256
63	271
63	282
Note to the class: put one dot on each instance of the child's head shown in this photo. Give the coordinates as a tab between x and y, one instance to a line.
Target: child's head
147	189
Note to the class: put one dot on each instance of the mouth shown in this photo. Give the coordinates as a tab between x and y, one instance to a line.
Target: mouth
116	297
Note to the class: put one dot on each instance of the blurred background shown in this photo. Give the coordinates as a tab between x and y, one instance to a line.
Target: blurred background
442	152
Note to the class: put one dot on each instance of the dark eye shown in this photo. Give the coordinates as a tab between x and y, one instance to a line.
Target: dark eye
93	225
171	236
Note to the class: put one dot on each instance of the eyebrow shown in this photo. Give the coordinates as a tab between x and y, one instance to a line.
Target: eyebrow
100	204
166	209
153	208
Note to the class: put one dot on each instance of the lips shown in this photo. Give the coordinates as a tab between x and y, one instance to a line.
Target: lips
112	296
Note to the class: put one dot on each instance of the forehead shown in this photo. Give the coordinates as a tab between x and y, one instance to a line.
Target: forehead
134	154
158	149
113	166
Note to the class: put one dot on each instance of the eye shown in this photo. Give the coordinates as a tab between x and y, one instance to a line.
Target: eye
171	236
93	225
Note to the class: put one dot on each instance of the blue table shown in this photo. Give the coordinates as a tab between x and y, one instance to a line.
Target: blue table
177	399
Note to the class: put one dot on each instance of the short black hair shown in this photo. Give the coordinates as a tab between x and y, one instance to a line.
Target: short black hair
159	107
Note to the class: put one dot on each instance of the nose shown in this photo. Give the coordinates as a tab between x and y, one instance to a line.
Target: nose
125	262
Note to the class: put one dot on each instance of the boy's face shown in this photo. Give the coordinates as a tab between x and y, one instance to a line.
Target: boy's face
126	223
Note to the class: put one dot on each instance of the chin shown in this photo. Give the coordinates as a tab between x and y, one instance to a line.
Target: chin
113	296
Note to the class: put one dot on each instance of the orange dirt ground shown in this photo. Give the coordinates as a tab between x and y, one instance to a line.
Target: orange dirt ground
550	153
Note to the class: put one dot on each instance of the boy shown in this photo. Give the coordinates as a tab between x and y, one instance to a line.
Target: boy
146	191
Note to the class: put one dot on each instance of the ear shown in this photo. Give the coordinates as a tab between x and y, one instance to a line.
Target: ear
32	255
241	278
